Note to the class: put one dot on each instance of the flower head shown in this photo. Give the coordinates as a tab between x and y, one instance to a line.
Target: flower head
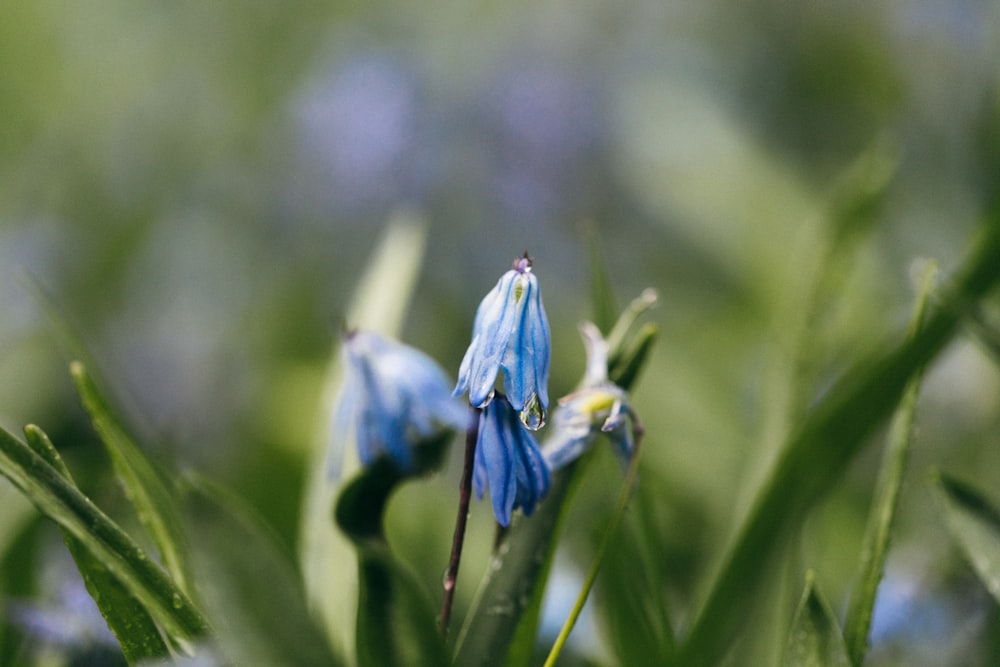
509	462
394	397
600	407
510	333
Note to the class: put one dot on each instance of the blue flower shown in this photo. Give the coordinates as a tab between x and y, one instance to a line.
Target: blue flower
509	461
394	397
510	333
600	407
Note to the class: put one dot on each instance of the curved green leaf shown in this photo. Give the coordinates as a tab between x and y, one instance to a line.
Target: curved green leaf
126	616
815	639
61	501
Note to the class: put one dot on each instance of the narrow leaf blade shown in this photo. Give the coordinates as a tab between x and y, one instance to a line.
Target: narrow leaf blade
815	639
974	522
144	487
875	547
61	501
137	633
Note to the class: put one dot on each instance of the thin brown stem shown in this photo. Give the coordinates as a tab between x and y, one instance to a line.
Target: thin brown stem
464	497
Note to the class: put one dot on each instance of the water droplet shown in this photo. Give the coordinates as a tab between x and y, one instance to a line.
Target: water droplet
177	601
533	415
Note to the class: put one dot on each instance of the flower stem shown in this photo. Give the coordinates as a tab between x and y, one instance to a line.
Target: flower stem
609	533
464	497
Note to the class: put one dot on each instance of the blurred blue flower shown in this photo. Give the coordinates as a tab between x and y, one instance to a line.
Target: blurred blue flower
509	461
510	333
600	407
394	397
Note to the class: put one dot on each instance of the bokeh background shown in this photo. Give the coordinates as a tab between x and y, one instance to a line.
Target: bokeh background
197	187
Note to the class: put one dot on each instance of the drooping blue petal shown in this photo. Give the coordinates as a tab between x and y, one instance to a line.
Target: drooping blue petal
532	477
491	333
526	362
496	458
393	398
510	333
509	462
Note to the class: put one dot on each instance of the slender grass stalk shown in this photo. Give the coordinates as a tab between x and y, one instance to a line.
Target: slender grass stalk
464	498
878	532
595	567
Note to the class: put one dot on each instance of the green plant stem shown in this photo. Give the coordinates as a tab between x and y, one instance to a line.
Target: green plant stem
595	567
464	498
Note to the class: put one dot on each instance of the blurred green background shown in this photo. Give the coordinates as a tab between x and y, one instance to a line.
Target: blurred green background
198	187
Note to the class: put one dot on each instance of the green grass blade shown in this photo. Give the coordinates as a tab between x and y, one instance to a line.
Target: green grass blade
974	522
144	487
815	639
875	546
137	633
327	559
61	501
817	455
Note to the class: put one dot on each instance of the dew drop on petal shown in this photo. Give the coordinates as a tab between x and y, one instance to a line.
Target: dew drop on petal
489	399
533	414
